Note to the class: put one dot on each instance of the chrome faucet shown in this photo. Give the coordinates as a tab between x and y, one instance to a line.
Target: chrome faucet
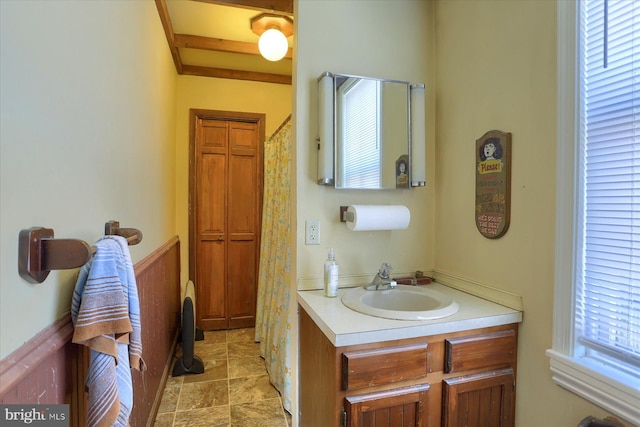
382	279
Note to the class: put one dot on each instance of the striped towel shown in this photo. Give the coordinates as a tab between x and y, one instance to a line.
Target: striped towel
106	316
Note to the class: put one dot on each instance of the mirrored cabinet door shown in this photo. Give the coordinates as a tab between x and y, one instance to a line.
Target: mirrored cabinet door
372	133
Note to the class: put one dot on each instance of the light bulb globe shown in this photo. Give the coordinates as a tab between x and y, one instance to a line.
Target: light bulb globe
273	45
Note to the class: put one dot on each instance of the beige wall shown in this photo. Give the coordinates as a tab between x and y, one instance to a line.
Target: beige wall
383	39
87	135
274	100
496	69
89	125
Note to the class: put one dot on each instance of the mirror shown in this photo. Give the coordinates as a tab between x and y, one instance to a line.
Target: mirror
371	133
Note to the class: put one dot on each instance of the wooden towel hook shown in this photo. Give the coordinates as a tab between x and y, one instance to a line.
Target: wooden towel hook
39	252
133	235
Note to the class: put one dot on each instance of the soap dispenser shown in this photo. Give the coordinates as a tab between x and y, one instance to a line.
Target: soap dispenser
331	275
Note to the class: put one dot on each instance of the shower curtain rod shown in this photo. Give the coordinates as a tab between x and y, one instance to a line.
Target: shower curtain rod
281	126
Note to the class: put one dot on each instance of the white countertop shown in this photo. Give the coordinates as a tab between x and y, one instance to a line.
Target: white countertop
344	326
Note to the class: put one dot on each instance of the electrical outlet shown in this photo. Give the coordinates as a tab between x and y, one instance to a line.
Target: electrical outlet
312	235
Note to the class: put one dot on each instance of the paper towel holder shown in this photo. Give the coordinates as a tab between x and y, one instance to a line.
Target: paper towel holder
344	215
393	217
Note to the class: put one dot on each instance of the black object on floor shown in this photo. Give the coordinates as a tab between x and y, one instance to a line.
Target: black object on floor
189	363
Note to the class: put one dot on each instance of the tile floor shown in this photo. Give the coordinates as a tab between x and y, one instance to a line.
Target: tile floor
233	391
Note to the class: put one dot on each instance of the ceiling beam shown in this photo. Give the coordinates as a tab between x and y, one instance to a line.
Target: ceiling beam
197	42
223	73
220	45
161	5
282	6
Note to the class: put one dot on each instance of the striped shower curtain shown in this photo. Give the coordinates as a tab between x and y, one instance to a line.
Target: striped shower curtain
273	320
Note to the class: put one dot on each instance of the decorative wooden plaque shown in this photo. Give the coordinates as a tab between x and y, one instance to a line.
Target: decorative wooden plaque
493	183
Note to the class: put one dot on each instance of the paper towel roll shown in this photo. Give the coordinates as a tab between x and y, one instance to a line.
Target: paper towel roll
378	217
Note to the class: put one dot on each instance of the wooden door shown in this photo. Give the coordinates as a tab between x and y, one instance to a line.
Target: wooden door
225	216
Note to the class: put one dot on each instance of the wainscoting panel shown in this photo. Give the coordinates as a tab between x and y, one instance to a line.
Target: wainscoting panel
49	369
53	344
158	279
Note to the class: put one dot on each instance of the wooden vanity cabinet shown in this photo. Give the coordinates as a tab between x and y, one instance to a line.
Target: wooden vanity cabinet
453	380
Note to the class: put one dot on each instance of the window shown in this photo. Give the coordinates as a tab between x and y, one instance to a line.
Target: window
596	348
608	295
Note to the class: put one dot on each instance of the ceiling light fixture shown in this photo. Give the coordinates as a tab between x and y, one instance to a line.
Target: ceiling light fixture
273	31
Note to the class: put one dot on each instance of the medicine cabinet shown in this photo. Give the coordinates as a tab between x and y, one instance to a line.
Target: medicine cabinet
367	133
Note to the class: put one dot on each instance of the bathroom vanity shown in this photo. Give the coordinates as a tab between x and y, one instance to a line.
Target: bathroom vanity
360	370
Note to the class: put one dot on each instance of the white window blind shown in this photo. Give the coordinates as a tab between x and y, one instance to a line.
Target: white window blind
608	289
362	154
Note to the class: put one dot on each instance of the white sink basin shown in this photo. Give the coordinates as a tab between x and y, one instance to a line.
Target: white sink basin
403	302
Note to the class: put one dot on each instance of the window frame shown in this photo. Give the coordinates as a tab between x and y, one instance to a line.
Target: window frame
603	386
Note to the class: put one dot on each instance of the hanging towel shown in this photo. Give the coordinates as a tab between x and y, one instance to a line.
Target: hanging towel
106	316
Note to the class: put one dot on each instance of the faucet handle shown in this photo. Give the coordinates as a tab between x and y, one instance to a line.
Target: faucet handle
385	270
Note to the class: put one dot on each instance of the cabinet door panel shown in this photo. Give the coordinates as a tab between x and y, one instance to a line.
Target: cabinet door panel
402	407
480	400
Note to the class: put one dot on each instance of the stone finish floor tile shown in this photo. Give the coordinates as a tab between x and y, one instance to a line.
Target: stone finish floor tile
214	369
233	391
165	420
243	349
203	395
207	417
174	381
214	337
241	335
246	366
258	414
169	401
251	389
210	350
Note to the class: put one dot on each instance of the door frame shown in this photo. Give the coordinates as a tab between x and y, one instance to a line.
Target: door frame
235	116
